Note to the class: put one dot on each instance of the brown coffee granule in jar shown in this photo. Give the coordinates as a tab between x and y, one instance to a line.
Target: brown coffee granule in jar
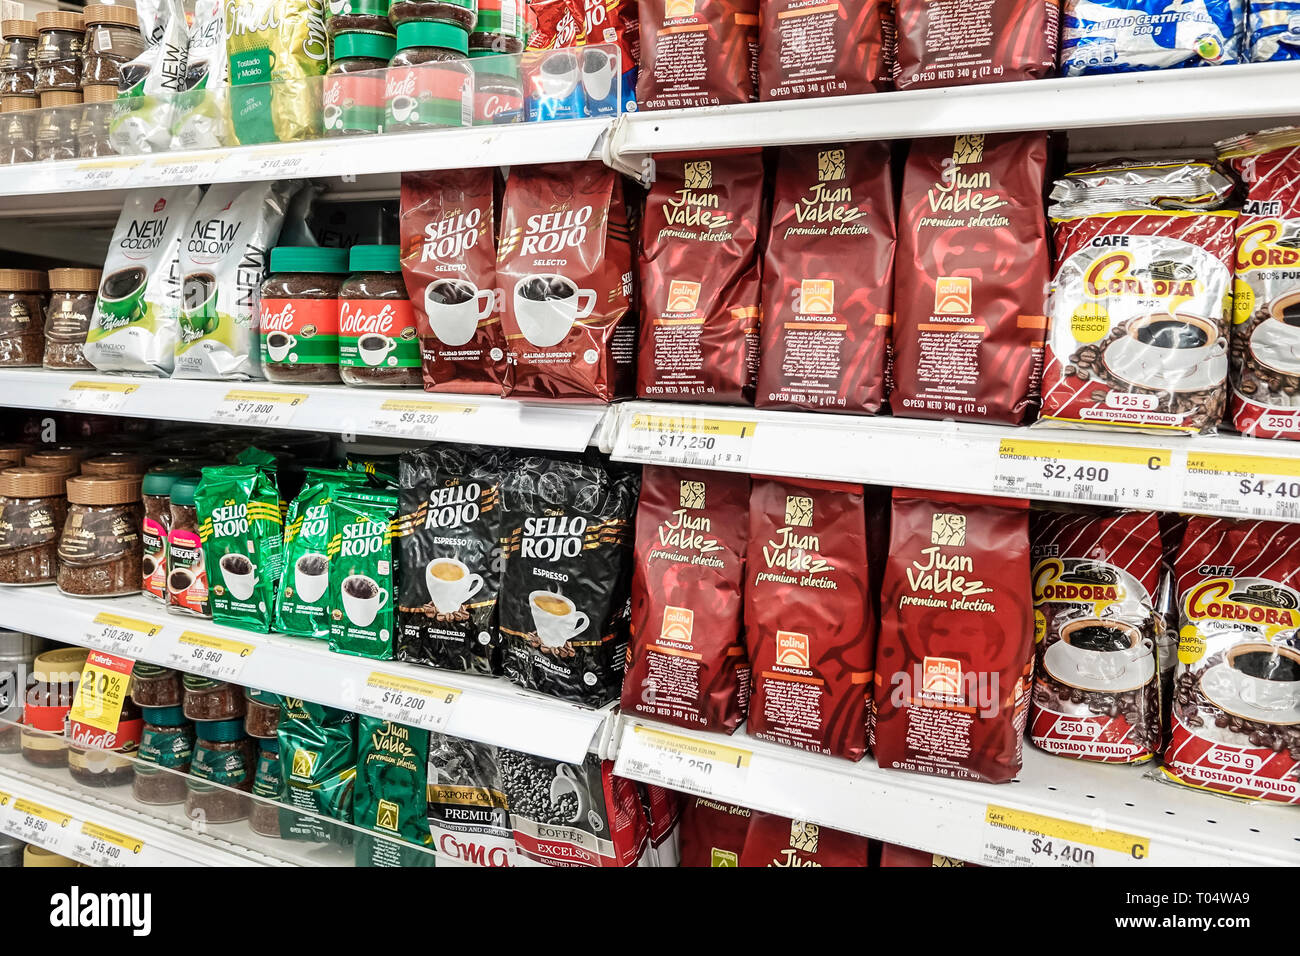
222	755
154	686
32	511
100	548
263	716
67	318
264	817
378	344
207	699
56	675
22	317
17	69
298	314
59	37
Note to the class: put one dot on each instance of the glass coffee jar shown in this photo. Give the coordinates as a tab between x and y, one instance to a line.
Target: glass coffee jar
222	755
500	28
430	84
56	130
17	66
263	715
67	317
56	675
114	464
359	16
264	817
18	116
93	755
166	744
22	317
100	550
155	686
207	699
91	129
377	336
58	51
155	494
17	653
353	93
461	14
498	91
187	578
33	507
299	314
112	39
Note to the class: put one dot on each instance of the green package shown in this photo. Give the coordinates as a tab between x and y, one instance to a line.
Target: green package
381	469
302	604
275	49
243	547
318	764
363	572
392	773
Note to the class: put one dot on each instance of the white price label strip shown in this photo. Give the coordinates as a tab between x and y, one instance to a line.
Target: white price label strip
99	846
683	763
404	700
174	171
118	634
32	822
1242	485
294	162
101	174
686	440
97	396
217	657
1019	838
1106	474
243	406
413	418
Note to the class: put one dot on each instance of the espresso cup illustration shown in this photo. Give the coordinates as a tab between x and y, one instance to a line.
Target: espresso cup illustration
199	303
455	307
598	70
547	305
333	116
362	599
1175	342
374	348
121	293
279	345
1104	650
179	580
450	584
556	619
310	577
239	574
1285	309
559	75
1266	675
403	107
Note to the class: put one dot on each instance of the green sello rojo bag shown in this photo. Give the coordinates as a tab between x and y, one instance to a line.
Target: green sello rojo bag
391	797
363	572
302	604
318	766
243	548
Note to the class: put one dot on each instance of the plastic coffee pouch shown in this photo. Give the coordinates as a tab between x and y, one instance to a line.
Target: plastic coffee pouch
225	252
202	120
362	572
302	602
242	534
148	85
468	813
318	765
279	42
137	314
390	796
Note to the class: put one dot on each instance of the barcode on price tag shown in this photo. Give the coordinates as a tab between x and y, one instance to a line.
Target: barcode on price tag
1104	474
217	657
405	700
412	418
97	396
101	174
1248	485
290	163
119	634
175	170
32	822
245	407
687	440
683	763
99	846
1019	838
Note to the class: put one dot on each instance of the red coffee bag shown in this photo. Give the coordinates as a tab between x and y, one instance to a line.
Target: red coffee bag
780	841
822	49
828	279
957	42
565	266
697	53
956	646
891	854
713	833
686	661
448	235
699	268
808	615
971	281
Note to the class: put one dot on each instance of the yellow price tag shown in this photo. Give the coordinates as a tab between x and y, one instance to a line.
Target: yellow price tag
41	812
105	681
112	837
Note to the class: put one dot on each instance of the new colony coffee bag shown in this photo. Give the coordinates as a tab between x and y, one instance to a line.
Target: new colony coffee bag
1236	707
822	49
564	264
362	572
957	42
242	531
956	648
448	242
972	278
687	663
697	53
699	270
828	279
1098	631
809	623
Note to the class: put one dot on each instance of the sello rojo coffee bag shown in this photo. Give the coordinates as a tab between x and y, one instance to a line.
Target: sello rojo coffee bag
957	42
697	53
956	649
823	49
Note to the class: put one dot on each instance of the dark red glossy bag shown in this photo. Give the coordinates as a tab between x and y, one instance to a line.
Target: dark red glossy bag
699	269
891	854
697	53
823	49
713	833
779	841
828	279
959	42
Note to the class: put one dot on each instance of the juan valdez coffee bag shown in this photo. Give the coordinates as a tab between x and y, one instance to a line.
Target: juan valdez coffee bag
1236	707
891	854
956	648
956	42
971	280
564	264
1097	628
779	841
808	616
448	243
828	279
821	49
699	269
713	833
687	663
697	53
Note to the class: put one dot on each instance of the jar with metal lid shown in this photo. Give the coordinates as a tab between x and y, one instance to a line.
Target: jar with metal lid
99	550
353	96
58	51
263	714
498	92
22	317
18	118
462	14
32	510
92	125
208	699
114	464
17	652
56	130
501	27
155	686
264	817
430	83
67	317
56	675
65	458
155	494
299	314
166	744
222	755
17	66
187	577
358	16
377	336
93	752
112	39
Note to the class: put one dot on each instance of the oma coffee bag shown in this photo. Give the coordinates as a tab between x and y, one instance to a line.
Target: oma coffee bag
302	600
137	312
242	532
469	816
390	795
362	572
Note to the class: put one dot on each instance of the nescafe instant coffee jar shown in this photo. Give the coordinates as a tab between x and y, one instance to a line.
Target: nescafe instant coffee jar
55	677
32	510
17	66
377	337
99	550
430	84
299	314
155	495
353	96
58	51
187	577
67	317
22	317
498	92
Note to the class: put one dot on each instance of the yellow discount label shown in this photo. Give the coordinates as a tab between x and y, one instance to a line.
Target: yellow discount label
105	681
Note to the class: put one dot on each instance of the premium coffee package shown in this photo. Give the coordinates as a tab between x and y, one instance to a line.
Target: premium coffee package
813	50
362	572
701	53
468	813
242	532
956	43
275	49
828	279
318	769
699	271
891	854
302	600
149	83
779	841
390	797
1122	36
713	833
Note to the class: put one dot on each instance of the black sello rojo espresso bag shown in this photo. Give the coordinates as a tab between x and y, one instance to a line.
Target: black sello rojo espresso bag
242	533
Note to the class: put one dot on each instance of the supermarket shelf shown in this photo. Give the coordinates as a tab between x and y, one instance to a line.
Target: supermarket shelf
389	413
489	710
1119	814
1217	474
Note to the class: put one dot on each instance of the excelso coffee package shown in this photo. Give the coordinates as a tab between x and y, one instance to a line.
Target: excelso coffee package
448	242
302	602
956	649
1236	707
275	49
391	794
812	50
564	596
687	663
137	313
225	254
970	284
699	271
242	532
1121	36
956	43
828	279
469	817
564	264
1098	633
362	572
809	623
697	53
447	539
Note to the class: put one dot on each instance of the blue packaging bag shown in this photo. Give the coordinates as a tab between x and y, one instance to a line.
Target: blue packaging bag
1274	30
1120	36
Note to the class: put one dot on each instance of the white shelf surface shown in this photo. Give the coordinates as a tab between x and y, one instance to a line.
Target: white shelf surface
1118	807
490	710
